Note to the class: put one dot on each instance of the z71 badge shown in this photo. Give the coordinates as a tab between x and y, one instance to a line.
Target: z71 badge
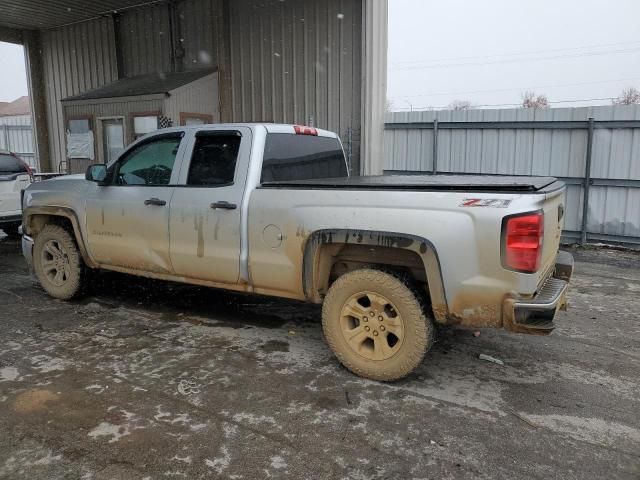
486	202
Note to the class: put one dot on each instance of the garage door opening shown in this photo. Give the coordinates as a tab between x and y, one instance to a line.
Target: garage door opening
16	131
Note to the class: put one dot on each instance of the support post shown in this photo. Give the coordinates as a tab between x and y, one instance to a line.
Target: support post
587	182
116	19
374	85
38	95
435	146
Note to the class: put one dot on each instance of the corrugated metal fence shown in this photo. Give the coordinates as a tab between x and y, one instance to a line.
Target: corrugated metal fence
16	135
595	150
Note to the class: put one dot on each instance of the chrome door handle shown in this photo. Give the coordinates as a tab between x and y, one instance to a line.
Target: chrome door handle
155	202
223	206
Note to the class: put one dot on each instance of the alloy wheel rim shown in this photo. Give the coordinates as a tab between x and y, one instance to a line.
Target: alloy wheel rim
55	263
372	326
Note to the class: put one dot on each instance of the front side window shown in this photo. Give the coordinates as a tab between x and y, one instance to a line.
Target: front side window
302	157
214	159
149	164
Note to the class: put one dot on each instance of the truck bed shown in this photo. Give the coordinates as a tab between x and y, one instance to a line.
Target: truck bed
459	183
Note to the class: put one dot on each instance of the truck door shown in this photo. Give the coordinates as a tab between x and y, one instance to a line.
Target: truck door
206	209
128	219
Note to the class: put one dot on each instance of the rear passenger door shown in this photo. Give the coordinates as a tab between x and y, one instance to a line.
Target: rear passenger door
206	209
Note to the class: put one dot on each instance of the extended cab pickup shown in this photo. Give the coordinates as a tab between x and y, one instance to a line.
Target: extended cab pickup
271	209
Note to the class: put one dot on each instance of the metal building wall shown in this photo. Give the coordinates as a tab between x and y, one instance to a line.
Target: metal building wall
146	37
298	62
199	20
123	107
614	208
146	40
77	58
200	96
16	135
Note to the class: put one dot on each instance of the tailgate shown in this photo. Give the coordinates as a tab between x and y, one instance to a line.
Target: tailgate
10	188
554	211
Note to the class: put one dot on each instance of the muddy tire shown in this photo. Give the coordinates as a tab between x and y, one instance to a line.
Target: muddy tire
376	324
57	263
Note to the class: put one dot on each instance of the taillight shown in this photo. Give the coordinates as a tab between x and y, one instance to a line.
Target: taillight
25	165
522	237
302	130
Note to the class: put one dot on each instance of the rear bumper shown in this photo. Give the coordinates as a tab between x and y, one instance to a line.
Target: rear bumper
27	250
536	315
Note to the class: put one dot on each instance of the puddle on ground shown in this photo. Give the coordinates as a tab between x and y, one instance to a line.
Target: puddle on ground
34	400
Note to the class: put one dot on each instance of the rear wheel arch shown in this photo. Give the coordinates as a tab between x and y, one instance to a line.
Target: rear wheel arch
325	249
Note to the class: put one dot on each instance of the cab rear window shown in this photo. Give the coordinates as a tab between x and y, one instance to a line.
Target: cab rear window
290	157
10	164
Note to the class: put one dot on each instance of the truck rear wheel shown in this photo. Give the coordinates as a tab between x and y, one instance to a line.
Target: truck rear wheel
376	324
57	262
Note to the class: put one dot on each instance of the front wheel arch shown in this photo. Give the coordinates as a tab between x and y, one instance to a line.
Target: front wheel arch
36	218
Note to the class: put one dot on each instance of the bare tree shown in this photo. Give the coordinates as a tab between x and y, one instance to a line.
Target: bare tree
629	96
532	100
388	107
460	105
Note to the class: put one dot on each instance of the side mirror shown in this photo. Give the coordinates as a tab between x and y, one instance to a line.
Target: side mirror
96	173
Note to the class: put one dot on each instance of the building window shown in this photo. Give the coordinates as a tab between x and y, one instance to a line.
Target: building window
144	123
79	138
79	125
188	119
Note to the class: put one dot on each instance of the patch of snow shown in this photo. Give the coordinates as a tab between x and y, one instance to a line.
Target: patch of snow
9	374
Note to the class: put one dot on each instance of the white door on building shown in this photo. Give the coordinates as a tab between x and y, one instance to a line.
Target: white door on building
112	139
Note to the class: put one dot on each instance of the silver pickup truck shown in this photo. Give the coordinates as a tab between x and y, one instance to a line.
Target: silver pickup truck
271	209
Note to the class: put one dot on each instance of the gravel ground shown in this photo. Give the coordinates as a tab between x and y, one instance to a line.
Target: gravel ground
149	380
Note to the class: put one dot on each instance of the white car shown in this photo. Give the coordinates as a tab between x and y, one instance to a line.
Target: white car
15	176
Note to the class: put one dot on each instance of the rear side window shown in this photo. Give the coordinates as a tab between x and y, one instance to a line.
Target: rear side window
213	163
10	164
302	157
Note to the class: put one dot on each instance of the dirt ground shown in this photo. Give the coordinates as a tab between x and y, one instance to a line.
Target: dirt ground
148	380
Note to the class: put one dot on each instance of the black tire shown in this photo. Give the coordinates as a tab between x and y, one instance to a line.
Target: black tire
57	263
397	349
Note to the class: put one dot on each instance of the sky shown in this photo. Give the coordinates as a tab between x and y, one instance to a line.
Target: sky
13	78
487	52
490	51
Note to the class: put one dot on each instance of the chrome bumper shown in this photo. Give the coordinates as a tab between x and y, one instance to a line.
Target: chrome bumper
27	250
536	315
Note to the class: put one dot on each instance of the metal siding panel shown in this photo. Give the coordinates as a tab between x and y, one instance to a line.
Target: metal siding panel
146	40
573	208
198	26
295	62
72	56
612	210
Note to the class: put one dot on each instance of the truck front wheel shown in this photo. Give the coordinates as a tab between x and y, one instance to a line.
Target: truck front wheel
376	324
57	262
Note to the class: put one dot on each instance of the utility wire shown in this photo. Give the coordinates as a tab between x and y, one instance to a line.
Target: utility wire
506	104
453	94
519	60
515	54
